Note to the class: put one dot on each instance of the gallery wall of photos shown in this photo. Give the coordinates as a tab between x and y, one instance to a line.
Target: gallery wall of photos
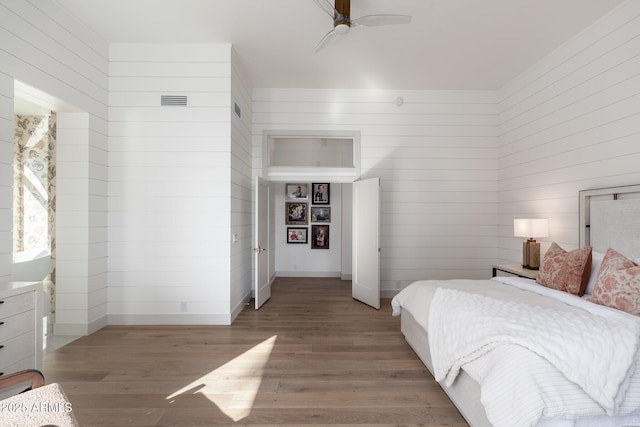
308	204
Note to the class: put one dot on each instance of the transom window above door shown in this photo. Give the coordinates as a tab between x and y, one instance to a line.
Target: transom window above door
296	155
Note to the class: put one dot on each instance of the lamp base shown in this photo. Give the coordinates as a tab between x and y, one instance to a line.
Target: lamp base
531	255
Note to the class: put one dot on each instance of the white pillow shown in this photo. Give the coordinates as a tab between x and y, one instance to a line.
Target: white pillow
596	260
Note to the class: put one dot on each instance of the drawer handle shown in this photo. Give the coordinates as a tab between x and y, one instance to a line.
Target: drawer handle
1	347
1	302
1	323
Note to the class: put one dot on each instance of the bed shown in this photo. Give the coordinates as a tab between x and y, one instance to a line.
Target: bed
539	356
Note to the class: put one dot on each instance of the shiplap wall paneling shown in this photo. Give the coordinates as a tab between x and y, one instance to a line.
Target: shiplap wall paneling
437	158
241	188
6	176
570	123
44	47
98	223
80	225
169	184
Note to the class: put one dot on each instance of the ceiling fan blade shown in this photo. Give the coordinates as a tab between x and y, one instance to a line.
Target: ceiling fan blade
327	7
383	19
324	40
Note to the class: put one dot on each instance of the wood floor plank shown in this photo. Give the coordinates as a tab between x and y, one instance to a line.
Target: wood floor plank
311	355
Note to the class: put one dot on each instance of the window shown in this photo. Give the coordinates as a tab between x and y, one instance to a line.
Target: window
34	183
318	155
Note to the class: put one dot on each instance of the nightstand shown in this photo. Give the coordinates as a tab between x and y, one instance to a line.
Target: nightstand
516	270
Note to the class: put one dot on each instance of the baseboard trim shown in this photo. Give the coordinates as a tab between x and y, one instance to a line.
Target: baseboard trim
389	293
69	329
169	319
308	274
97	324
80	329
241	306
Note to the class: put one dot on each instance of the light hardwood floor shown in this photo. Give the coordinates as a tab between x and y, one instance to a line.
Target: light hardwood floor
310	355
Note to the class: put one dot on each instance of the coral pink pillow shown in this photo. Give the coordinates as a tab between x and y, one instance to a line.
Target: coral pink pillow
618	283
565	271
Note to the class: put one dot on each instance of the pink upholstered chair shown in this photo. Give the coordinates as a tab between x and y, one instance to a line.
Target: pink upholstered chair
37	405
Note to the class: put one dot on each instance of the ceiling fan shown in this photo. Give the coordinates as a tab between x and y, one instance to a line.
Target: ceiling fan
342	22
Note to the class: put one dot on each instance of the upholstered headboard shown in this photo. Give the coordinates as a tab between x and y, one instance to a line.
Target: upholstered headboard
610	218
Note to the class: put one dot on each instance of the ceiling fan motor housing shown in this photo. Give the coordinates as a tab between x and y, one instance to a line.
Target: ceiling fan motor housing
342	19
340	11
342	28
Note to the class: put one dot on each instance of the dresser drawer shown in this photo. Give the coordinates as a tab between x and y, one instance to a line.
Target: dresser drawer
17	348
11	327
12	305
27	363
22	364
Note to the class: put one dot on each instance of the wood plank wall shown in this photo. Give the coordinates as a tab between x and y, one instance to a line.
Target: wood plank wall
437	158
456	166
569	123
42	46
170	184
241	187
6	175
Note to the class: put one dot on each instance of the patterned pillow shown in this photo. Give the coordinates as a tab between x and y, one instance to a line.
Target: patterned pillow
618	283
565	271
596	262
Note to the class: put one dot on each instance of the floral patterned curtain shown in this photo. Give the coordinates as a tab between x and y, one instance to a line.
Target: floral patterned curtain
34	200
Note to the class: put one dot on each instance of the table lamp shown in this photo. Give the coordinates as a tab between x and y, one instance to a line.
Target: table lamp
531	228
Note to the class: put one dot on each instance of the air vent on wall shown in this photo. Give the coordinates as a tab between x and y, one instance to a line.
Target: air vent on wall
173	100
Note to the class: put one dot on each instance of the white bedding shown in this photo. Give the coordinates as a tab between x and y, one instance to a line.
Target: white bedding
518	387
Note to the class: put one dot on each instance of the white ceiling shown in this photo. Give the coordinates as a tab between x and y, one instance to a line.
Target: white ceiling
450	44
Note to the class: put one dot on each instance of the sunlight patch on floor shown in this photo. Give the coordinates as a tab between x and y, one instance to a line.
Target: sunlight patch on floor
233	386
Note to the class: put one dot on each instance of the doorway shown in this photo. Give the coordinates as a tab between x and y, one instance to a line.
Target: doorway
37	178
299	233
297	251
34	195
300	165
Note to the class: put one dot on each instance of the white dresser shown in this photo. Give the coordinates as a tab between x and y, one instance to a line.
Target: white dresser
20	326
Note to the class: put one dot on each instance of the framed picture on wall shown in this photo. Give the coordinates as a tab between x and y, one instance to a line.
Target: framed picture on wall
297	234
297	213
320	214
319	237
320	193
297	191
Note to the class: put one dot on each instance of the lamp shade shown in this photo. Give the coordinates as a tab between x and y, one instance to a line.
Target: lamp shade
531	227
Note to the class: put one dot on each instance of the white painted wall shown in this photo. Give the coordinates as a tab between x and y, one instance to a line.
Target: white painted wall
437	158
6	174
346	273
44	47
81	228
170	192
299	260
456	166
241	188
570	123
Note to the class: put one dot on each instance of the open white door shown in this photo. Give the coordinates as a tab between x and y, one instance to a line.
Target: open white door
261	247
365	285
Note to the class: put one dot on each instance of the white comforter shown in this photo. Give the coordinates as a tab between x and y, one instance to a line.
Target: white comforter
526	366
